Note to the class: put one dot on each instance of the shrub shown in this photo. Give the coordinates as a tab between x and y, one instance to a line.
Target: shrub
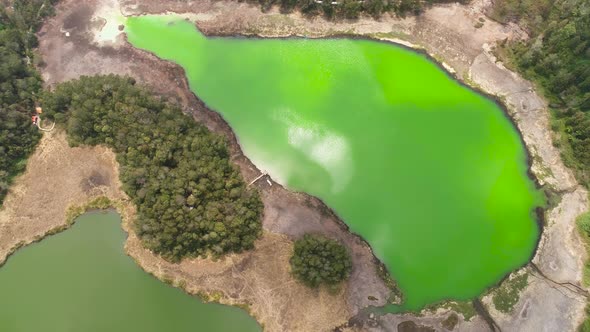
318	260
584	223
507	295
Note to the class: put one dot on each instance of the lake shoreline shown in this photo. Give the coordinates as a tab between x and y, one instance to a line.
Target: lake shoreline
97	257
203	277
217	18
537	211
396	296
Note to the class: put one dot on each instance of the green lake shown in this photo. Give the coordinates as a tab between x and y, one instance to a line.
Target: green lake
432	174
82	280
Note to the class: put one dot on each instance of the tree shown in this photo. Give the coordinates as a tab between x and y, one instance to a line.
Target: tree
19	85
557	57
191	201
318	260
351	9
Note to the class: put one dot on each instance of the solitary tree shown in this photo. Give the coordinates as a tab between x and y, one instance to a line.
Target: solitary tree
318	260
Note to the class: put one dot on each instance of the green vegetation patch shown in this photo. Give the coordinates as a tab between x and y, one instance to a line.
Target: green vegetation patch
583	223
507	295
585	326
557	59
191	201
351	9
465	308
19	83
318	260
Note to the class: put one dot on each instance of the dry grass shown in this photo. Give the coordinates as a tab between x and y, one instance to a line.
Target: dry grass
57	177
61	181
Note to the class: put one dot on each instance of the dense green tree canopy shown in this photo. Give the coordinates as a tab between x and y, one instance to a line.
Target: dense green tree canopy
19	83
318	260
351	9
557	57
191	201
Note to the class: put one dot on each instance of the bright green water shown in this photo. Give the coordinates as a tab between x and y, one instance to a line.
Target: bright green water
430	173
82	281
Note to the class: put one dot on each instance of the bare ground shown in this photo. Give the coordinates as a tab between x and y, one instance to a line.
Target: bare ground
59	177
70	48
259	279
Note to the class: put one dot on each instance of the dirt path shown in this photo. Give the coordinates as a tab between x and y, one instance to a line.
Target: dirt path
70	48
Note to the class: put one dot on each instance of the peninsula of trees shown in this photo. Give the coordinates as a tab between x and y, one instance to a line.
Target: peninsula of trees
191	200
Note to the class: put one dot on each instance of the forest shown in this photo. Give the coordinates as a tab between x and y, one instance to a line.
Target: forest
191	200
351	9
557	59
19	84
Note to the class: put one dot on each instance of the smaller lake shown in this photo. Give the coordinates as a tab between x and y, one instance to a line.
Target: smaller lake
81	280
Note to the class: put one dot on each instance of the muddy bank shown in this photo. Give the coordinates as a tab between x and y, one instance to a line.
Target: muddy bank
260	279
59	178
70	48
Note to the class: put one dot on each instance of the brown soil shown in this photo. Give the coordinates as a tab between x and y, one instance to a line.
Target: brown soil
260	278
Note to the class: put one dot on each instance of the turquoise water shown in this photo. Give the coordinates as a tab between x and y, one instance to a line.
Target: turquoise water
432	174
